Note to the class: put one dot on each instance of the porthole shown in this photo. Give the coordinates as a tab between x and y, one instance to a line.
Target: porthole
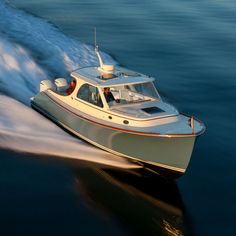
110	117
126	122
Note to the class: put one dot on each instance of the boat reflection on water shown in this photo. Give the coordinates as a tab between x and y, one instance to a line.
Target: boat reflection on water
141	203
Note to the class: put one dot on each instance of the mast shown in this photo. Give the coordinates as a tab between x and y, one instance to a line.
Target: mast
106	68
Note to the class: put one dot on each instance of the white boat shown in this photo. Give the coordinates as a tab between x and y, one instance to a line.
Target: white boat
120	111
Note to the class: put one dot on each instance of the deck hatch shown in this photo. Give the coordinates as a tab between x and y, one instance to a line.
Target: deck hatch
152	110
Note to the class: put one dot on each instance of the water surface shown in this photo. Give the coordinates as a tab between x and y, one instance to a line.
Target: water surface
189	47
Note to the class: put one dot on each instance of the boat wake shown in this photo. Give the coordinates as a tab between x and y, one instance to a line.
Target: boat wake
32	49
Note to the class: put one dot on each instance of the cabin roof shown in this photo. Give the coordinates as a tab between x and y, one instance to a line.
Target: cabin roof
120	76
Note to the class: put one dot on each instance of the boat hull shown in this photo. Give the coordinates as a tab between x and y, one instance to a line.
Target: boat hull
157	153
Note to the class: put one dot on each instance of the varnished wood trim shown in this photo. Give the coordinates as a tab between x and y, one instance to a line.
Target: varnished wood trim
125	130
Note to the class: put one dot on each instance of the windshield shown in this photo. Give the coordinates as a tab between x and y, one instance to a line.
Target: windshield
127	94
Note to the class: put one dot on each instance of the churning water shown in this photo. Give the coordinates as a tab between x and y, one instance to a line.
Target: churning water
31	50
189	46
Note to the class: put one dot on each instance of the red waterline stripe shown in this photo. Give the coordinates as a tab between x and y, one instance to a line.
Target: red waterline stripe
125	130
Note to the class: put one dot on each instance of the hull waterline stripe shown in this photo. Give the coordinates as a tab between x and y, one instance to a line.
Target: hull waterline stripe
125	130
179	170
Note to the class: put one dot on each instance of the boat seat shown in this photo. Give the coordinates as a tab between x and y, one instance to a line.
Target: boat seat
61	85
124	94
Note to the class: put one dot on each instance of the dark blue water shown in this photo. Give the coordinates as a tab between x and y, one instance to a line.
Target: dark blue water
190	47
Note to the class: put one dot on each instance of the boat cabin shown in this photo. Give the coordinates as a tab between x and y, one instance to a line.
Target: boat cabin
121	88
115	95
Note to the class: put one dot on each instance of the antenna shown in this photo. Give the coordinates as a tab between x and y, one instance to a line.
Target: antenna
95	37
96	48
102	67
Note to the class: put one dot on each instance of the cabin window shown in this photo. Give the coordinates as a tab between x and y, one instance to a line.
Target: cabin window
90	94
132	93
146	89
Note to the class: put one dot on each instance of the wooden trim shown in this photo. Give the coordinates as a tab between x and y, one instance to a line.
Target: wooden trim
111	113
128	131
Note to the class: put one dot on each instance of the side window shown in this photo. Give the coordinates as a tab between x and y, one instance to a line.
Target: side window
83	92
90	94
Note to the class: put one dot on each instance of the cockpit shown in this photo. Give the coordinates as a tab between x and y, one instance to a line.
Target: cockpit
118	95
133	93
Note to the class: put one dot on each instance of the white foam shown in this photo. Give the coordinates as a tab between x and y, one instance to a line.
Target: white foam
54	49
31	49
19	74
23	129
